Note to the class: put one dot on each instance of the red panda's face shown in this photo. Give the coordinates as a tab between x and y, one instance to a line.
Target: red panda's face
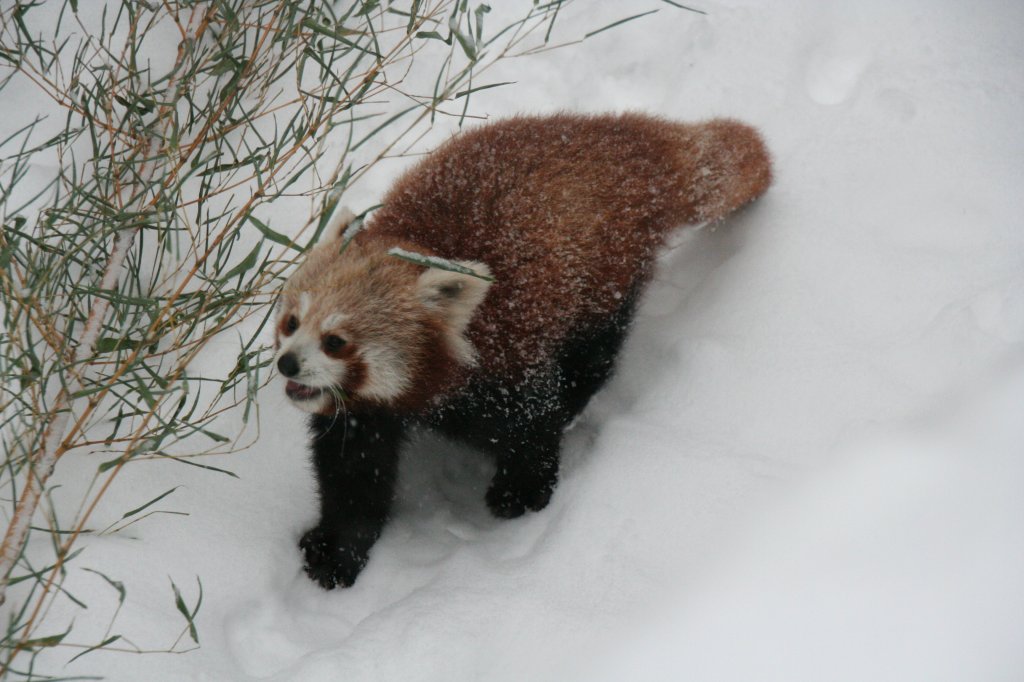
320	355
367	327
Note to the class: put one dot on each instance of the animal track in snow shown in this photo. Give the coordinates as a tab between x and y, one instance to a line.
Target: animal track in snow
833	72
896	104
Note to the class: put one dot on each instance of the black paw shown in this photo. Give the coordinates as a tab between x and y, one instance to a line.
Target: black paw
511	498
329	561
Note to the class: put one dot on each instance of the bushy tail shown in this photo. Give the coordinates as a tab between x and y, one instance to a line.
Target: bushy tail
729	167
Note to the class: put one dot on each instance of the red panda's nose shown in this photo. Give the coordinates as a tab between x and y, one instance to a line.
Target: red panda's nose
288	365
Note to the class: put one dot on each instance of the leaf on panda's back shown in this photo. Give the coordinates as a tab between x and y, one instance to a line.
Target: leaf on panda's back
435	262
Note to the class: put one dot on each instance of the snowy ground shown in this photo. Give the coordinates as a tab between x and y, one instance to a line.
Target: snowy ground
808	466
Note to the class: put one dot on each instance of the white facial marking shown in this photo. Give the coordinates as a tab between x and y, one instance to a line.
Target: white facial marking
387	376
315	368
332	321
305	301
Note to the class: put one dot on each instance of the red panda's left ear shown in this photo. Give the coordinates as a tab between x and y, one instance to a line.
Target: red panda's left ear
456	296
337	225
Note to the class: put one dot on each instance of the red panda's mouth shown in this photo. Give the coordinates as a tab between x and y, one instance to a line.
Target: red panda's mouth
297	391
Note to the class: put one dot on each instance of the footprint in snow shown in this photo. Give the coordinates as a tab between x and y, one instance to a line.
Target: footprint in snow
833	72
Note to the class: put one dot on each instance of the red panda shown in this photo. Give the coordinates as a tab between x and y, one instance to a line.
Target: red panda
555	223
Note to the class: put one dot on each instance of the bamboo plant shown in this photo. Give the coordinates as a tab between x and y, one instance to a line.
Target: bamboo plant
171	125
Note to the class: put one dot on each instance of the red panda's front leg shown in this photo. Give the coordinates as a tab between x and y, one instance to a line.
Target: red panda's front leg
356	461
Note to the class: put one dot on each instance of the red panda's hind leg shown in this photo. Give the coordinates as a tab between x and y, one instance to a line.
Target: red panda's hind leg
527	473
522	425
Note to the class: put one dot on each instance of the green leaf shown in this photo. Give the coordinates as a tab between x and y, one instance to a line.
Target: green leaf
215	436
109	464
247	264
107	641
433	35
228	13
189	616
116	584
383	125
202	466
107	344
468	46
52	640
273	236
463	93
479	13
339	35
368	6
619	23
156	499
413	11
254	161
691	9
38	575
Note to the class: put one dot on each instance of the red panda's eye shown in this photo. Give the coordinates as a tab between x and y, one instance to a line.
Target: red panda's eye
332	343
291	324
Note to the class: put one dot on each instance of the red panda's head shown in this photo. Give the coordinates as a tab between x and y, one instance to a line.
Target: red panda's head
364	327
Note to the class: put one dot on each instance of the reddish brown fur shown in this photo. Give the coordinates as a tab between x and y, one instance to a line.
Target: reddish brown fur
282	329
568	211
378	293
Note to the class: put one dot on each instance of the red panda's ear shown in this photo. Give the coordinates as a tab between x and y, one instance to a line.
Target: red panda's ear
337	225
456	296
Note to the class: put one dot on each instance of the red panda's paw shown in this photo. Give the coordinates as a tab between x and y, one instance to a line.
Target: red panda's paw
511	496
331	562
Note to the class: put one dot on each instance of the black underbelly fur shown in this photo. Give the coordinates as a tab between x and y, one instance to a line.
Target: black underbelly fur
356	455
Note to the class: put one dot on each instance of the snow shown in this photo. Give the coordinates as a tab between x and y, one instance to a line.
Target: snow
807	466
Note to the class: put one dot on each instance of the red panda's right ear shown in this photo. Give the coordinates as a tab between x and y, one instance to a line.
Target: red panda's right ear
337	225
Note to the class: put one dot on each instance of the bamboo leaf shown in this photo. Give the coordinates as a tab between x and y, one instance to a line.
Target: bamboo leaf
691	9
52	640
618	23
38	575
215	436
463	93
247	264
435	262
107	344
108	641
117	585
156	499
382	126
339	34
273	236
189	615
433	35
201	466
